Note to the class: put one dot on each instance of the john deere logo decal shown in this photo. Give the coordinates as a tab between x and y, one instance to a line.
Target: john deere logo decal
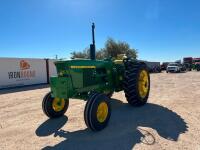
24	72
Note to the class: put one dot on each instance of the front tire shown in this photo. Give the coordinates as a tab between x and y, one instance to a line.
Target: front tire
136	83
97	112
54	107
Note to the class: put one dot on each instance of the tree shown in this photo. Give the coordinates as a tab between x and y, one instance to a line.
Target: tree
112	49
84	54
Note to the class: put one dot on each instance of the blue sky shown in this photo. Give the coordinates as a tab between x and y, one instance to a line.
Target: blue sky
161	30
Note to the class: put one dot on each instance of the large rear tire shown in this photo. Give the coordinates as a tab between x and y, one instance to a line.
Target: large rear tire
136	83
97	111
110	94
54	107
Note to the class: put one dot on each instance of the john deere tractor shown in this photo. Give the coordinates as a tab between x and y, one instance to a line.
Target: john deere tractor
95	81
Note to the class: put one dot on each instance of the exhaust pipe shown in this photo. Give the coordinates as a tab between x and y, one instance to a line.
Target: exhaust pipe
92	46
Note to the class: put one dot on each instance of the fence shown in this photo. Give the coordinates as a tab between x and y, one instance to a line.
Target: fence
25	71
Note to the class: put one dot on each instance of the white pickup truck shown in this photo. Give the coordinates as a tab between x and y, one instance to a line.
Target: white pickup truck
175	67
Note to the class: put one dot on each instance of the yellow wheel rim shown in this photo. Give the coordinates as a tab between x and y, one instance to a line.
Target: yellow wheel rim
58	104
143	83
102	112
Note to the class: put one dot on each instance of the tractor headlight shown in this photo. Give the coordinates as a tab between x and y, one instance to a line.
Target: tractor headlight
60	73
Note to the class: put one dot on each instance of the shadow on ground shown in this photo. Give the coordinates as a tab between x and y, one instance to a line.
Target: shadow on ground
124	129
24	88
51	126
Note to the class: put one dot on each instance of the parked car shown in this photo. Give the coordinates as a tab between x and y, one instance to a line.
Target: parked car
164	65
175	67
188	66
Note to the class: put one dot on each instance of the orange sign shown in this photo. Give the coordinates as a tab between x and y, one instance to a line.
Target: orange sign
24	65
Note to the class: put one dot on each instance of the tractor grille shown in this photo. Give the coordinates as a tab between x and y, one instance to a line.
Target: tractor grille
88	77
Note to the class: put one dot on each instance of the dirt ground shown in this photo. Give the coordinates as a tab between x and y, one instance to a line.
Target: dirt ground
170	120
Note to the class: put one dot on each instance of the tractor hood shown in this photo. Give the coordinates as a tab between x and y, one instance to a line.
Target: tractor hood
64	66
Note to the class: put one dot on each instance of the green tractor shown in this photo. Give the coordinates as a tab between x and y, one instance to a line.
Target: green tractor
95	81
196	64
